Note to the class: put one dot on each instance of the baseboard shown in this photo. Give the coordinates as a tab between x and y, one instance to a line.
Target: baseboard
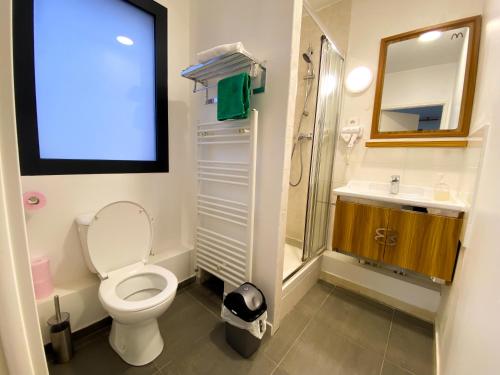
80	335
186	282
437	363
379	297
294	242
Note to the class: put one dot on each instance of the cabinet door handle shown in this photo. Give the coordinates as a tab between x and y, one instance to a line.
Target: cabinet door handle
380	236
392	238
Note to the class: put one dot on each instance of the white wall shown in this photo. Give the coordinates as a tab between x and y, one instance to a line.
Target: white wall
424	86
310	36
166	196
397	121
429	85
269	30
336	17
170	197
3	364
19	334
420	301
467	324
371	22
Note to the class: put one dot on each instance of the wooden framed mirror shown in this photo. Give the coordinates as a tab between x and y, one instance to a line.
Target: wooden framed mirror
426	81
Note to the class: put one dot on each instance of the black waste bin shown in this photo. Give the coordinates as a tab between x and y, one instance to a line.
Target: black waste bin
245	313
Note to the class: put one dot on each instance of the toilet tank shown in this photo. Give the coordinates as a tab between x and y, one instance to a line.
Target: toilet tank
82	224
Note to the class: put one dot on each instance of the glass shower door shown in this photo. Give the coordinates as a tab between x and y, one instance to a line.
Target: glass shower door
320	177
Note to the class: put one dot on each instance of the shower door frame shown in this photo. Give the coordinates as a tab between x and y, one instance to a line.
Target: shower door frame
307	251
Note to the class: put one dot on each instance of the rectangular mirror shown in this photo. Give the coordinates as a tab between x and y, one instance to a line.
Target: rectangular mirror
426	80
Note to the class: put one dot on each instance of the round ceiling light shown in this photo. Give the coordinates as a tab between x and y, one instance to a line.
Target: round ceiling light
358	79
430	36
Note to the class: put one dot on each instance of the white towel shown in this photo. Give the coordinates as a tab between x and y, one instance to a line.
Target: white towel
220	50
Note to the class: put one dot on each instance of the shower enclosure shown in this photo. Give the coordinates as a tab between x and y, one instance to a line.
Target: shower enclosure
318	105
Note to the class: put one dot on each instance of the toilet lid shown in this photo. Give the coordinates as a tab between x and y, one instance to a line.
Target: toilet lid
119	235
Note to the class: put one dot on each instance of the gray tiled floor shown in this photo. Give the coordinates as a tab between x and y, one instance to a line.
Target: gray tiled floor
330	331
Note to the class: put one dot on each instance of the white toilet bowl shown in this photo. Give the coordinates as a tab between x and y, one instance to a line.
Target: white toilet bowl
117	241
135	297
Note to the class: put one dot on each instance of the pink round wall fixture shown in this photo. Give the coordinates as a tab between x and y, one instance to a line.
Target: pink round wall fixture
34	200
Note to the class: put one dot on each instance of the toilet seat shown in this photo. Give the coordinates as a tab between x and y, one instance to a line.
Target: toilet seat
119	235
112	301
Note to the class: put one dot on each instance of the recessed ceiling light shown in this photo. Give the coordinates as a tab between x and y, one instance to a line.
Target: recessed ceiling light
124	40
430	36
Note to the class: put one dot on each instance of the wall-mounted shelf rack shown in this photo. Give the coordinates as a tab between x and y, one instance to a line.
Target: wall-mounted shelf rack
222	66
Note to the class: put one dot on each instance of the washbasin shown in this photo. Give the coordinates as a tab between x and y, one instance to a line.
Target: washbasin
408	194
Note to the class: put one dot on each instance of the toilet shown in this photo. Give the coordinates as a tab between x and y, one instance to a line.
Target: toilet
116	242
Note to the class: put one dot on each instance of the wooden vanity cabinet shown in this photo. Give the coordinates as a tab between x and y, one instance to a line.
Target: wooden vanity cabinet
416	241
423	243
356	227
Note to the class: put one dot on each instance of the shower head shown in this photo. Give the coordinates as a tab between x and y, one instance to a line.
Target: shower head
307	58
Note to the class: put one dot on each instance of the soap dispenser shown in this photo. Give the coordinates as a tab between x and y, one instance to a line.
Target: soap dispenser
441	190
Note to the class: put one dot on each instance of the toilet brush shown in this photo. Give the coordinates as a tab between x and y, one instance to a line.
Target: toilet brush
60	334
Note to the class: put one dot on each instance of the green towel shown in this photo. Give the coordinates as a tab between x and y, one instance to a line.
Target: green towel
233	97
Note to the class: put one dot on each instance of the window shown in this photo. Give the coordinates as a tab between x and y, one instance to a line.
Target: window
91	86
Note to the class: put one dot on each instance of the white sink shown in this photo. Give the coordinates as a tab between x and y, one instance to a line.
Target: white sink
408	194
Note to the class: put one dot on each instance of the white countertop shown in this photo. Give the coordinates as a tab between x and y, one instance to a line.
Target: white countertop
408	195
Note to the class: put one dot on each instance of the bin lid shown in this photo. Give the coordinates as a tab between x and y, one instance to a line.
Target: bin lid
246	302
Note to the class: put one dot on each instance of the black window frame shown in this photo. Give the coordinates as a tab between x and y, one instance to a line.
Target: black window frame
25	101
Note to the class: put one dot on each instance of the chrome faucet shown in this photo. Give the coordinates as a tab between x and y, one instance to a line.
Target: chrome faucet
395	184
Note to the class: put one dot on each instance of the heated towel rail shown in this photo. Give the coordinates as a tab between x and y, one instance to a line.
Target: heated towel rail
226	198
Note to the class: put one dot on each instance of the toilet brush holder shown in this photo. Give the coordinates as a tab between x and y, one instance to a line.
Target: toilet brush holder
60	334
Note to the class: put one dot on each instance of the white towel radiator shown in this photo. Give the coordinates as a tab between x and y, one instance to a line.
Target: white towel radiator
226	198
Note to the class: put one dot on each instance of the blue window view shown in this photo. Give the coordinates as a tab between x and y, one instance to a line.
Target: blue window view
95	80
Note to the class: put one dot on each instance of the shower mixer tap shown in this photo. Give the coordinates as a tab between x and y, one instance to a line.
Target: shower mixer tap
303	136
298	139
